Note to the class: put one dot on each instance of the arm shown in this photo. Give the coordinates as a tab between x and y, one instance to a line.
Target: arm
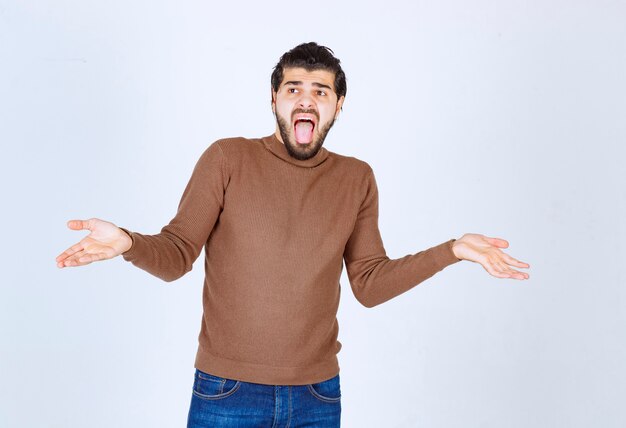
170	253
374	277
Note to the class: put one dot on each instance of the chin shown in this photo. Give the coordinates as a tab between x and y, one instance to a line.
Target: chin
298	151
303	151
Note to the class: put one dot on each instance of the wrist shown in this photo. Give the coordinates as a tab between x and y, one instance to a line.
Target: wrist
127	240
455	249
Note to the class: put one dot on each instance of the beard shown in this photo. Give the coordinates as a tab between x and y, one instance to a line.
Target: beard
302	151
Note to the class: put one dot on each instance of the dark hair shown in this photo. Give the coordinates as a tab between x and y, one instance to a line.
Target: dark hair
310	56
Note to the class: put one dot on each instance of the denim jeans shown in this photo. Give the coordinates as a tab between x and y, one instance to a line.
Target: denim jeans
219	402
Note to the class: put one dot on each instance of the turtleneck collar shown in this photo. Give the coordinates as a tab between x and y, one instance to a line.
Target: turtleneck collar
278	149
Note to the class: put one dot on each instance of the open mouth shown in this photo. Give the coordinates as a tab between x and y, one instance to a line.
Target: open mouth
303	130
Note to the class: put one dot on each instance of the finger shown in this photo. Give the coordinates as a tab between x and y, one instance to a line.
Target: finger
79	224
89	258
70	251
498	242
498	274
489	267
518	275
72	260
76	263
503	268
68	263
500	270
81	258
514	262
512	272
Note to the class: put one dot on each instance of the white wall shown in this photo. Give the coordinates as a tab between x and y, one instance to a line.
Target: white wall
503	118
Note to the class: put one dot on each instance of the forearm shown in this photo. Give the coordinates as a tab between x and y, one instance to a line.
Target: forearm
378	279
164	255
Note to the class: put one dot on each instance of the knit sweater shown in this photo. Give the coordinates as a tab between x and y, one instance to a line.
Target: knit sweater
276	231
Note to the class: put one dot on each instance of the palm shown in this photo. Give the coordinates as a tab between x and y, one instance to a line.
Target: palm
486	251
94	245
104	241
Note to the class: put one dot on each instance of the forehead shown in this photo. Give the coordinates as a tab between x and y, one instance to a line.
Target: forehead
297	74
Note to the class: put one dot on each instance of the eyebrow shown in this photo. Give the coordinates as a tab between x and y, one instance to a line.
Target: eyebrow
299	83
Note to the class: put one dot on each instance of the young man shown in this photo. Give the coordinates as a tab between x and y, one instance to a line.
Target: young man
277	217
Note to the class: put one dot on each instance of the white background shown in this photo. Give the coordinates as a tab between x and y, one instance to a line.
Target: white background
502	118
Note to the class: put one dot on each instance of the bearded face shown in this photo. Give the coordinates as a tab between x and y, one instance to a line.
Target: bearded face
306	107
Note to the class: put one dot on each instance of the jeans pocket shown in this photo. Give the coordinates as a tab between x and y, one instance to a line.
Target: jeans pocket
327	391
210	387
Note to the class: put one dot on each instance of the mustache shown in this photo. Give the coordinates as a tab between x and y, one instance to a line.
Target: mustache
305	111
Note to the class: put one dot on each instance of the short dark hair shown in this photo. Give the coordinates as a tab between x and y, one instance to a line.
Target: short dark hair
311	56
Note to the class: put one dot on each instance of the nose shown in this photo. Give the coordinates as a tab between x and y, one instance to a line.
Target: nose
305	101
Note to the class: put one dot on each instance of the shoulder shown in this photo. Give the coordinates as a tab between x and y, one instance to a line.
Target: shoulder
352	164
232	148
236	142
237	147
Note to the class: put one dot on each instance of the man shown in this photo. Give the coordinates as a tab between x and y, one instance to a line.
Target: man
277	217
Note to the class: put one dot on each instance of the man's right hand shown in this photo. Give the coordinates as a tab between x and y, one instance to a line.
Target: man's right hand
104	242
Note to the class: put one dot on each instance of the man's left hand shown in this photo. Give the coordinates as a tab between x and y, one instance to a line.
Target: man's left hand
486	251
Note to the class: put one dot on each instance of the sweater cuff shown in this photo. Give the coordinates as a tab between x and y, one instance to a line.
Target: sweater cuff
128	254
444	253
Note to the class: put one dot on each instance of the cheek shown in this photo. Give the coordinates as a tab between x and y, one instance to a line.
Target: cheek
327	115
284	110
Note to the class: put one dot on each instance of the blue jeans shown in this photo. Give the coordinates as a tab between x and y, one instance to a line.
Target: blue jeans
219	402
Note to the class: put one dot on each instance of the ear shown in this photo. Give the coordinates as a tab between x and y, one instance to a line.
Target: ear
273	95
339	105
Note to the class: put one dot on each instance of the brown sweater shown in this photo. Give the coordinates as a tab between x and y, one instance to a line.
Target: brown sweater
276	232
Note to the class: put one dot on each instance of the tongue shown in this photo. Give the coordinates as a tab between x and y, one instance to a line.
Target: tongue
304	132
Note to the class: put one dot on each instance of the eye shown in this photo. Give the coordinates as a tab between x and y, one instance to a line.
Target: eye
292	90
321	93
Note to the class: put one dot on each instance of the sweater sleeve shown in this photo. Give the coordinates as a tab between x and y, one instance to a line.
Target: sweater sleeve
374	277
170	254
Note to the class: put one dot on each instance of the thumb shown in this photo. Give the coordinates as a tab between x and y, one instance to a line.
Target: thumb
498	242
79	224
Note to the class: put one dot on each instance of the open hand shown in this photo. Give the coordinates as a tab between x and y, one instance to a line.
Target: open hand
105	241
486	251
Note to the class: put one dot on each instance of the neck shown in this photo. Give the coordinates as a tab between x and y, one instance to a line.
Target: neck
277	133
